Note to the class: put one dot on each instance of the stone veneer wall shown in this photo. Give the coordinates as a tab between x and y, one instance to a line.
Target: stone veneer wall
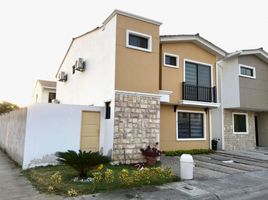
136	125
238	141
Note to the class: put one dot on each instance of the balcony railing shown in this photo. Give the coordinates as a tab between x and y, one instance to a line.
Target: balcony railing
199	93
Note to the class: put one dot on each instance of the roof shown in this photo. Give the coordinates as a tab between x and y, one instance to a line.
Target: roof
197	39
47	84
260	53
120	12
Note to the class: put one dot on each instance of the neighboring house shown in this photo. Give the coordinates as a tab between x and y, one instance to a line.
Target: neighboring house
145	82
242	121
188	73
44	91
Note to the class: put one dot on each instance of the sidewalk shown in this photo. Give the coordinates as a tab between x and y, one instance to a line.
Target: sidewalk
14	186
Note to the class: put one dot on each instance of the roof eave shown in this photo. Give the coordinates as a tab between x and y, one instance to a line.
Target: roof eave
200	41
120	12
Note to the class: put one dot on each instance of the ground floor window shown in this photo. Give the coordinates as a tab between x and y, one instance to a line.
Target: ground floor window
240	123
190	125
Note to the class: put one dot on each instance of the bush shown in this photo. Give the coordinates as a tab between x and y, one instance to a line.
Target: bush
192	152
82	161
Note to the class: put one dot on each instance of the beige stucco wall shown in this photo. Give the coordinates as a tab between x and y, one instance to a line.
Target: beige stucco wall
172	78
136	70
168	133
238	141
12	133
263	128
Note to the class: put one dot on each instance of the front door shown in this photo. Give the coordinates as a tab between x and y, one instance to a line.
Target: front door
256	131
90	131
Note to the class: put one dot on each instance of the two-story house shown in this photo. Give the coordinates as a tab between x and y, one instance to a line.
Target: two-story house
156	89
188	73
242	121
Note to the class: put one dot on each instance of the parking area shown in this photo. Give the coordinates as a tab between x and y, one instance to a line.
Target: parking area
223	163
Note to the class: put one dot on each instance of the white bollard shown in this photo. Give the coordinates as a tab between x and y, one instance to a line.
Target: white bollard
186	166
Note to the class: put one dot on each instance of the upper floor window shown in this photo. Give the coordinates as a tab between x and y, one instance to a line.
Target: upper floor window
171	60
247	71
139	41
240	123
197	74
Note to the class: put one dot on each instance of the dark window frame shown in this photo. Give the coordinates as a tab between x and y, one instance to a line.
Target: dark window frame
189	114
139	44
199	65
237	126
247	71
108	110
176	65
51	98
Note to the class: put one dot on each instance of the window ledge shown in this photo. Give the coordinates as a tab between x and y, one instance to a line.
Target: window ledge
191	139
199	104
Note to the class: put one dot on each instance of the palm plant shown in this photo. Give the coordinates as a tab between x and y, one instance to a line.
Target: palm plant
82	161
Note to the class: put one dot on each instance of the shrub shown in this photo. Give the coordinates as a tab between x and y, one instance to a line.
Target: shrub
55	178
151	152
109	176
72	192
192	152
82	161
97	178
124	177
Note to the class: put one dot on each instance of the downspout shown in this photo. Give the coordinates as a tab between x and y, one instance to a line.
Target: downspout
221	104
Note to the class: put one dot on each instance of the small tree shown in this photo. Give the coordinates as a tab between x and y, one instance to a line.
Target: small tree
6	107
82	161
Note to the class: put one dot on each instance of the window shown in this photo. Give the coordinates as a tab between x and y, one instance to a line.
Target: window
171	60
247	71
197	74
240	123
107	110
190	125
51	96
139	41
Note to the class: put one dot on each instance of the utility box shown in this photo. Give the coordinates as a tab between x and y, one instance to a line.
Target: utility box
186	166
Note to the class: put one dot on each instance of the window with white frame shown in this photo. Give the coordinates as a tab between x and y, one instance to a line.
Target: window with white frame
139	41
240	123
190	125
247	71
171	60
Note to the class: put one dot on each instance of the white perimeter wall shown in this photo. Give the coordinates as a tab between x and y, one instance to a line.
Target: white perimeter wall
55	127
12	133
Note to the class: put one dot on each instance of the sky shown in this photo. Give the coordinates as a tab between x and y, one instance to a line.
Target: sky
35	34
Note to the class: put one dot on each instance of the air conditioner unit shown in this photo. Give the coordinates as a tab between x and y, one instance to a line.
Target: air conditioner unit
80	65
62	76
55	101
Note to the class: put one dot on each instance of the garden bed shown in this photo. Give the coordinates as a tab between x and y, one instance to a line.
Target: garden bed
60	179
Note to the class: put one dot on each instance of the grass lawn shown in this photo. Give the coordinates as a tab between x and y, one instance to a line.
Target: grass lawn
41	179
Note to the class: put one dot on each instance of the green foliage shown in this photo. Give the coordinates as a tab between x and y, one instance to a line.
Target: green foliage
192	152
109	176
82	161
41	178
6	107
125	178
